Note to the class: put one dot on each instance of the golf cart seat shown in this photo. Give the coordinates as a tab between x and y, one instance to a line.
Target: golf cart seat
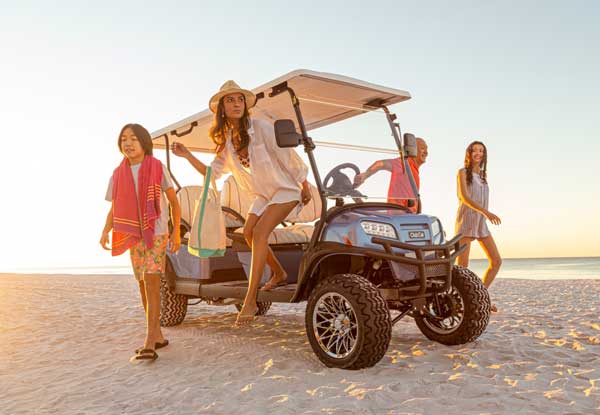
299	230
187	197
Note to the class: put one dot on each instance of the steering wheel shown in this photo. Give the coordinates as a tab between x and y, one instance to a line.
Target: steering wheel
341	184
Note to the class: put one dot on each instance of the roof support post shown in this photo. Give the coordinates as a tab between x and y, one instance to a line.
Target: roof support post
309	146
396	133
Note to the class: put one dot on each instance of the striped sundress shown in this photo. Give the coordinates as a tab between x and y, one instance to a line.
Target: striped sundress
469	222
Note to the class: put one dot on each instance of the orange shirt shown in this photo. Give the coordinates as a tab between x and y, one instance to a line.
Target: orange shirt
400	189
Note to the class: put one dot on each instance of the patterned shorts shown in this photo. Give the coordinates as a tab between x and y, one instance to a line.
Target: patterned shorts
149	261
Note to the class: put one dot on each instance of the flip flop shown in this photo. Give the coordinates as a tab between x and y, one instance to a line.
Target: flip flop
165	343
146	354
244	320
271	286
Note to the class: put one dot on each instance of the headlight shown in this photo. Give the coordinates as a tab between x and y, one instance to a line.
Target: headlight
435	227
379	229
436	230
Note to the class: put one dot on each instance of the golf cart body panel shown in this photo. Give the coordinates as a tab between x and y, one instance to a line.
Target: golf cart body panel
418	229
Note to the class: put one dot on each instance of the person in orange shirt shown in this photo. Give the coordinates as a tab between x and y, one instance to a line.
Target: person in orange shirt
399	191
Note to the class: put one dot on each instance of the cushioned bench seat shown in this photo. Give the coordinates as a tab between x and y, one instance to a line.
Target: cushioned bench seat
299	233
239	201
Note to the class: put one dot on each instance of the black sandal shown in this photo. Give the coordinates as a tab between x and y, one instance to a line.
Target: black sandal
272	285
157	346
146	354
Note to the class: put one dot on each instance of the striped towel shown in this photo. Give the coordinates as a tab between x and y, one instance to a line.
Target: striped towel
126	223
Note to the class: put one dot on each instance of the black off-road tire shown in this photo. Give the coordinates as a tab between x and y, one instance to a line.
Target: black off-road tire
262	309
476	315
372	320
173	307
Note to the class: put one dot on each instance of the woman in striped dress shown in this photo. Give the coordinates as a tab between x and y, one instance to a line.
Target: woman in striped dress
473	195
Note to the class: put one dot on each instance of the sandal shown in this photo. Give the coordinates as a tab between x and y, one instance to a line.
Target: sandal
165	343
245	319
270	285
146	354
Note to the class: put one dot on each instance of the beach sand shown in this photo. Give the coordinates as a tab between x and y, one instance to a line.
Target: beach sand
66	340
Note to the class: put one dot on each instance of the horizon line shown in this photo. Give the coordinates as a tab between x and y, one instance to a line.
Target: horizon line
125	266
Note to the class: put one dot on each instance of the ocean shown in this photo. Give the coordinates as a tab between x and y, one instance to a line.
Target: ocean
543	268
523	268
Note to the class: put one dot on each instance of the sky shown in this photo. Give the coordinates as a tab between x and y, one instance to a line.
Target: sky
519	75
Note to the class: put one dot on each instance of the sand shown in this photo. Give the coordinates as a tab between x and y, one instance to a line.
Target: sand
65	344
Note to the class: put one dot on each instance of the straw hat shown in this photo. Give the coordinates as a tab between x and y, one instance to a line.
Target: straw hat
230	87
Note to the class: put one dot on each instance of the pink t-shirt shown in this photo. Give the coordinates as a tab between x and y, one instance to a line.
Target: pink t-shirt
400	189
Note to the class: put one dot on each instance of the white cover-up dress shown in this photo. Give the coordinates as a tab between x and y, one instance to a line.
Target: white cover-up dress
275	174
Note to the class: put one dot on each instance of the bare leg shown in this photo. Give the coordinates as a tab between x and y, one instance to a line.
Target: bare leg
491	251
143	295
278	273
273	215
463	259
153	331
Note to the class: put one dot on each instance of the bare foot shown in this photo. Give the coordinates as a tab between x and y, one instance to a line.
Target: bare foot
153	344
494	308
276	280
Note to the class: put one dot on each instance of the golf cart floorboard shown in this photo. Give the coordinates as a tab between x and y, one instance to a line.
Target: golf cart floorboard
237	289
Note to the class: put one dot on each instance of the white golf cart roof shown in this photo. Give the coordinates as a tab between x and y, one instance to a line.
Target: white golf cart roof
324	99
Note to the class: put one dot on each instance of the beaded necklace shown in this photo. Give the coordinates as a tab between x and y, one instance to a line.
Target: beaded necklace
244	160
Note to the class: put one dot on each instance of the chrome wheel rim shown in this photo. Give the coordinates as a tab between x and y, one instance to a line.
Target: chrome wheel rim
446	312
335	325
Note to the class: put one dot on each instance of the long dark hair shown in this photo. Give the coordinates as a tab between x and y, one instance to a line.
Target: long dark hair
218	130
142	135
482	166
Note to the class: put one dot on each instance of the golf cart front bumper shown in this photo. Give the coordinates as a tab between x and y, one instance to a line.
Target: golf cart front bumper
416	266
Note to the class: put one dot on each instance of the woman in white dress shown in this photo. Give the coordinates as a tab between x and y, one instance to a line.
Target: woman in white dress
473	196
275	177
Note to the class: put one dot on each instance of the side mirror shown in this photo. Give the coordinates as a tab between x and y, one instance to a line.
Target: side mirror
286	135
410	145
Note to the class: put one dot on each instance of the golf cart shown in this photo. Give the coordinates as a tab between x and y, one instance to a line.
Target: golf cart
360	265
